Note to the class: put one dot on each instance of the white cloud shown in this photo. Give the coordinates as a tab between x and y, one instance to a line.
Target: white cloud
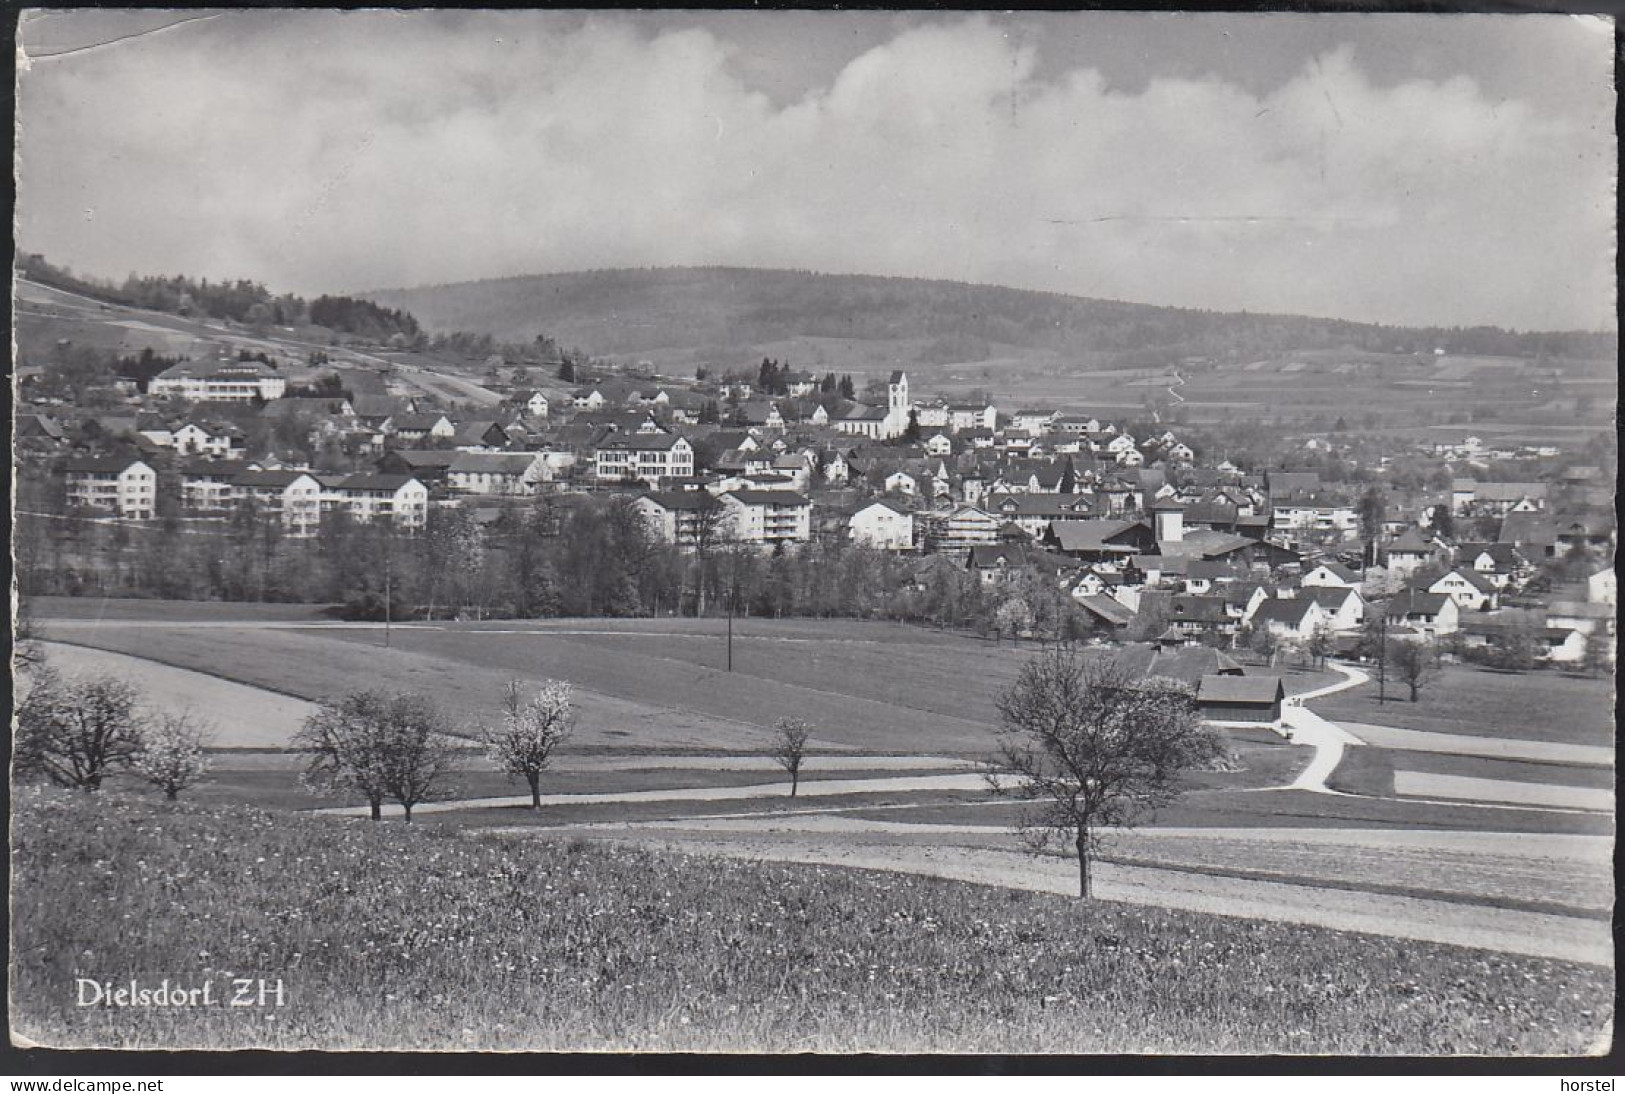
325	151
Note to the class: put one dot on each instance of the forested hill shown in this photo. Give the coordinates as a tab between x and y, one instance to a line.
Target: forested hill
633	310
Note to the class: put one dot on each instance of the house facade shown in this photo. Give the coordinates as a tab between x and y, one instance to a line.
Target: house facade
126	488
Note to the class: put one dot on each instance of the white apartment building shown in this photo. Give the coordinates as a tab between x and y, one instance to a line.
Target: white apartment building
119	485
220	382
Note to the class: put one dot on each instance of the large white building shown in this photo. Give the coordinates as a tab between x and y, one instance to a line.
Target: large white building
768	517
883	525
649	457
119	485
220	382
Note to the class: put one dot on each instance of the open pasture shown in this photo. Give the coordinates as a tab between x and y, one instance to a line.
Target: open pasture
1476	702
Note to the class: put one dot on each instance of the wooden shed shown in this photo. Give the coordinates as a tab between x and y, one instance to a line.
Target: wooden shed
1241	698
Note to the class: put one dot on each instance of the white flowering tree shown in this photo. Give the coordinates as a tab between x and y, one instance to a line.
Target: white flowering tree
524	738
790	736
172	755
1089	745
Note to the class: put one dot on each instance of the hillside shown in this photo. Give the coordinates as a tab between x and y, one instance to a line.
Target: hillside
390	936
725	312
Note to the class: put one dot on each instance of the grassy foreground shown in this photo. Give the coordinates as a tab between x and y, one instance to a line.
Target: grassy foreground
385	936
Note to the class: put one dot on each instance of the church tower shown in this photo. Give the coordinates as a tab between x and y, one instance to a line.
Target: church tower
897	405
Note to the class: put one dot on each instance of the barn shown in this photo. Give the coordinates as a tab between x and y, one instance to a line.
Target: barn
1255	699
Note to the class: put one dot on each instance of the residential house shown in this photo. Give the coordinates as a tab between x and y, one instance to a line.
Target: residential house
1343	607
1409	553
293	496
769	517
687	518
1331	575
401	499
1429	615
411	428
1291	619
651	458
498	472
1100	540
959	529
206	485
122	485
1471	590
1601	587
884	525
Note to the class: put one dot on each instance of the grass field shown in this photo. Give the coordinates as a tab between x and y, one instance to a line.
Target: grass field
386	936
1536	706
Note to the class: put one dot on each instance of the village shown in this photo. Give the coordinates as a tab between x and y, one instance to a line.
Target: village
1143	535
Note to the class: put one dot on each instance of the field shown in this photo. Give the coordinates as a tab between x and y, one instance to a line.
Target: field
670	752
439	939
1543	706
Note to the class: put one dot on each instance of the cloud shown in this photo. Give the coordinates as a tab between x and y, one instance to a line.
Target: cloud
318	151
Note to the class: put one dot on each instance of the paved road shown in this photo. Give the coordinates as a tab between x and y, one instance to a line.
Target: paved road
1327	738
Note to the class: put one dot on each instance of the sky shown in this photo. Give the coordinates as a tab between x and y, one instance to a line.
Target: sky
1413	169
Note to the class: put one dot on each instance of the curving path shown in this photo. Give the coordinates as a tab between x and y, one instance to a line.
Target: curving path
1327	738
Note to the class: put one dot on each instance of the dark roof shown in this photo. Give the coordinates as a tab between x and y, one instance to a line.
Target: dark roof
374	481
271	478
681	499
1281	610
768	497
1240	689
98	465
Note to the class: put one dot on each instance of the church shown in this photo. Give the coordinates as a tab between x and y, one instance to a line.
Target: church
877	424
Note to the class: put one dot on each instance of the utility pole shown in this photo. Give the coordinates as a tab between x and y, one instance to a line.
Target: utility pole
731	630
388	594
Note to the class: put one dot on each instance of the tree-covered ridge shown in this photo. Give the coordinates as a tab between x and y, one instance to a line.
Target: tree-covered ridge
240	301
628	310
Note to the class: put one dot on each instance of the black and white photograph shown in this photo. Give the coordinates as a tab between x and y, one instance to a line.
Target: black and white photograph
756	532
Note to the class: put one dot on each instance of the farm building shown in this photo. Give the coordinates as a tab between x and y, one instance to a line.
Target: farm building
1253	699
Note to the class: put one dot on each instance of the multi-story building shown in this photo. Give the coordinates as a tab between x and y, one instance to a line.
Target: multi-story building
295	497
769	517
648	457
401	499
207	485
220	382
884	525
682	517
115	484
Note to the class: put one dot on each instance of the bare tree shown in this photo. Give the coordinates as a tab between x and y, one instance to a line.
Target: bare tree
523	742
1319	645
76	731
1415	664
26	653
419	755
790	736
172	756
347	739
1090	746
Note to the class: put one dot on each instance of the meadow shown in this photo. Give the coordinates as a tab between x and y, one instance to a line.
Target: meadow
389	936
1477	702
